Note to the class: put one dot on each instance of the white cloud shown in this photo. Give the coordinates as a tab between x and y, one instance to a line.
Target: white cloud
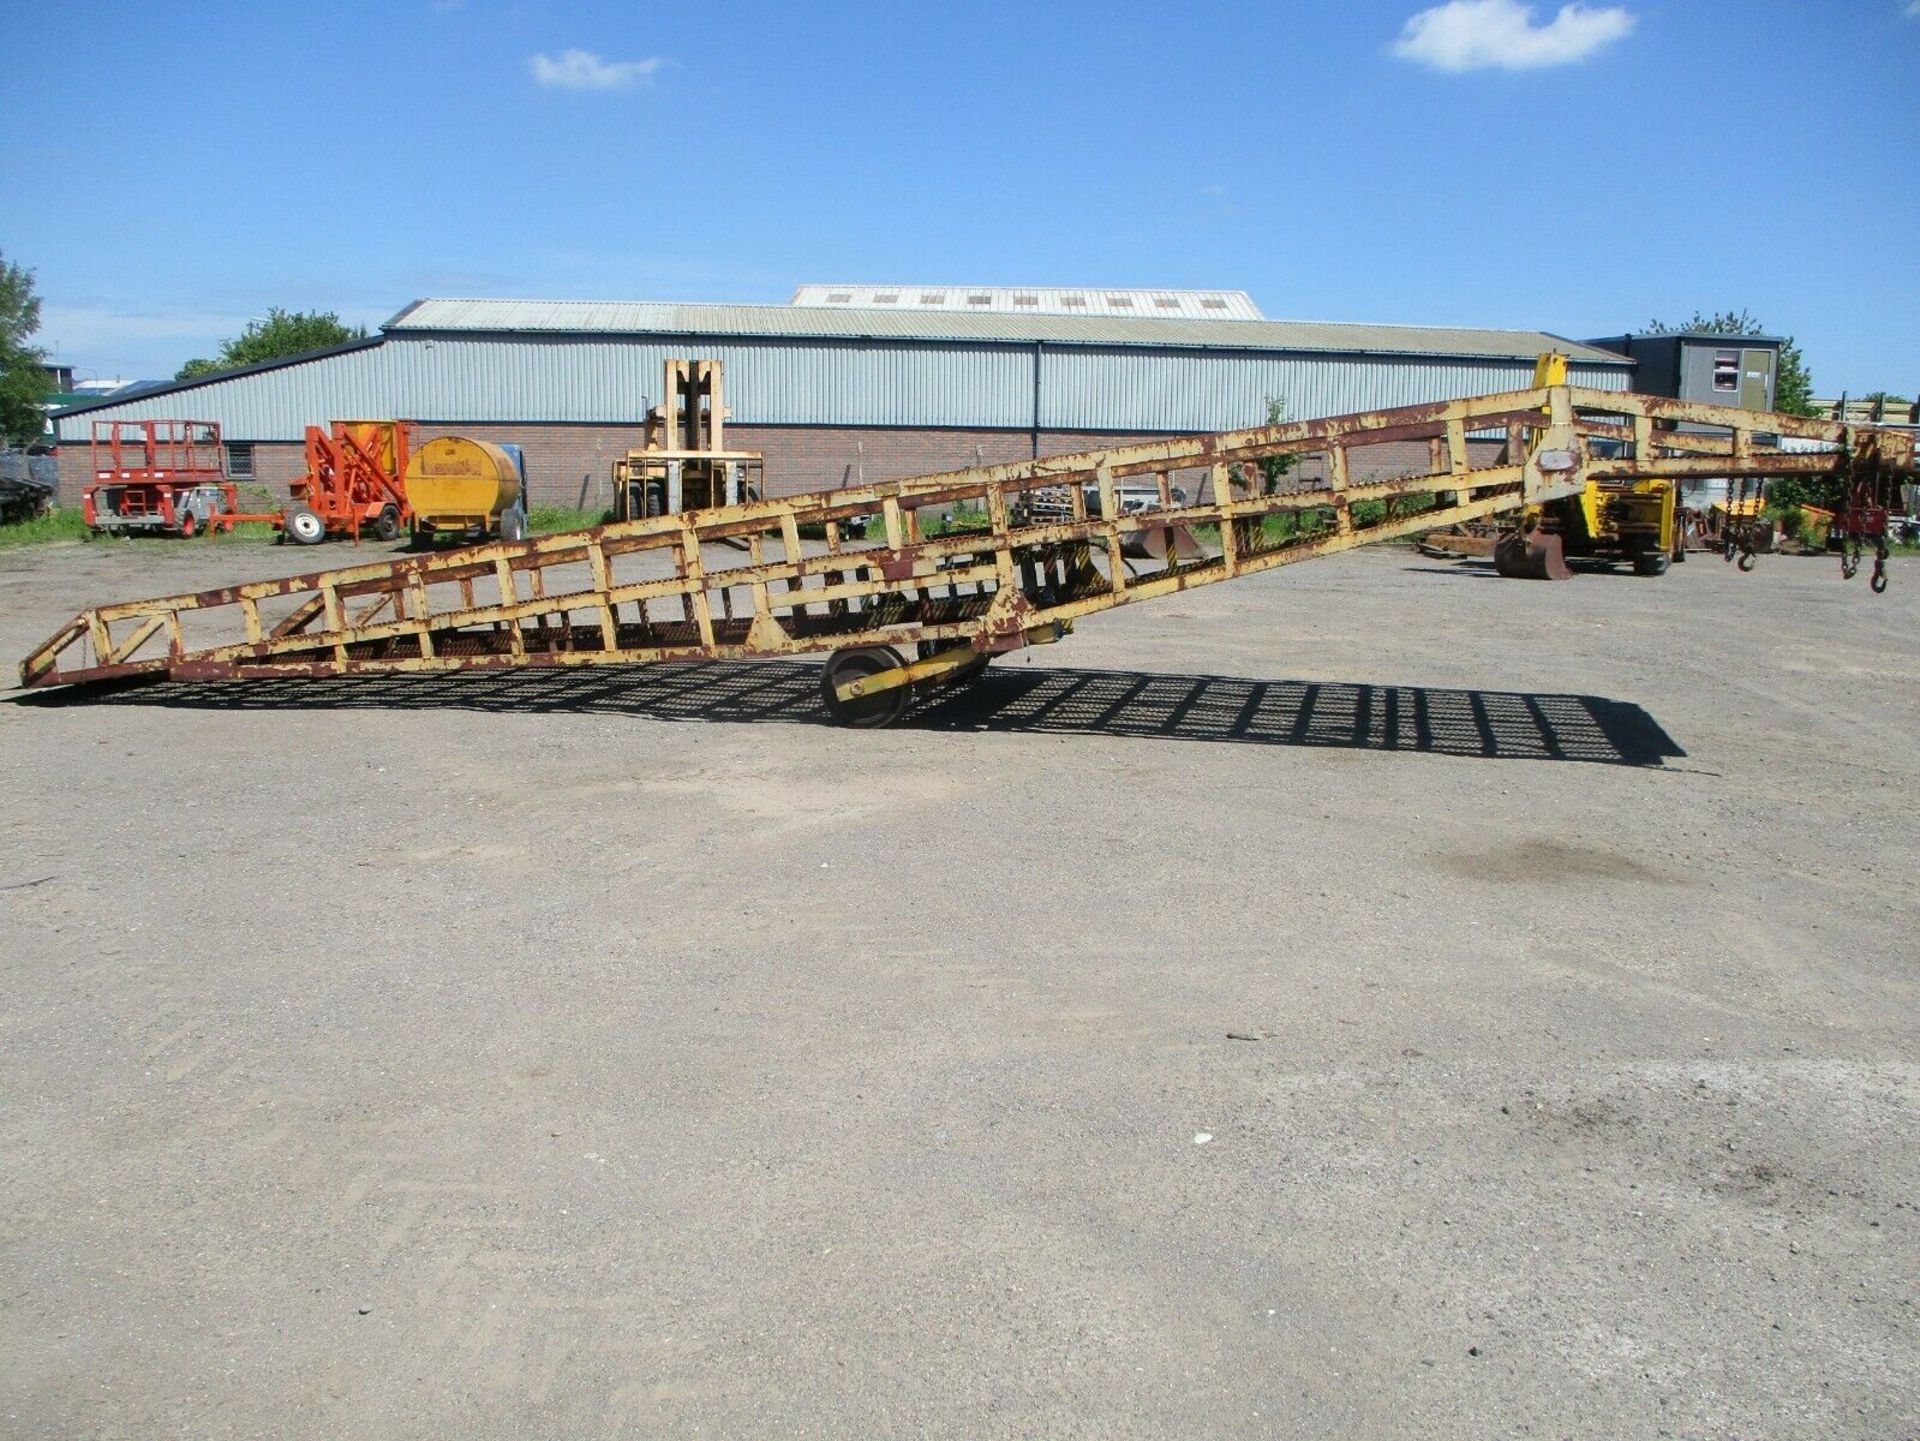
1913	8
1502	35
583	70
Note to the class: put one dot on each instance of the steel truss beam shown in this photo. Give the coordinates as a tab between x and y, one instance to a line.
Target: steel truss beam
655	589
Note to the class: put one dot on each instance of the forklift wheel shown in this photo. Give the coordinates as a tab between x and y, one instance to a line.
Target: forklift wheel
1653	562
304	527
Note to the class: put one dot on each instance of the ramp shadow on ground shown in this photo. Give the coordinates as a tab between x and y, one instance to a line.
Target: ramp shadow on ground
1491	725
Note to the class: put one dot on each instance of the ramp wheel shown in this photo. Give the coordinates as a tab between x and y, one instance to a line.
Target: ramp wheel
868	712
304	527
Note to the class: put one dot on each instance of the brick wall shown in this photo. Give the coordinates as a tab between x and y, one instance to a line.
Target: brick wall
570	465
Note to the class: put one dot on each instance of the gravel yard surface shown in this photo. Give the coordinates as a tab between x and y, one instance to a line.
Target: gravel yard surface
1366	1000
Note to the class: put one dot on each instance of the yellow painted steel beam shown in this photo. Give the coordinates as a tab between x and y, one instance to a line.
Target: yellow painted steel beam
516	603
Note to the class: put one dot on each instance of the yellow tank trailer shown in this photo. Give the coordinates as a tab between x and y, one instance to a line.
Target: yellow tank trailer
465	489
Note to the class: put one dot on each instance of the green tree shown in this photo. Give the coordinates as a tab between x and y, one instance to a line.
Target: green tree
1792	381
283	332
1273	468
24	382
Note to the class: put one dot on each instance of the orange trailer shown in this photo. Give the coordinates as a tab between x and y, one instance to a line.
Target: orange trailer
355	480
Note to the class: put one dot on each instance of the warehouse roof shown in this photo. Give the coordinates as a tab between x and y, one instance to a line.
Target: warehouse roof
604	317
1035	300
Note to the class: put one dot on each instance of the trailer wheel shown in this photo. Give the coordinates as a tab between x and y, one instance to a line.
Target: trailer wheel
1652	562
513	523
868	712
189	525
386	525
303	526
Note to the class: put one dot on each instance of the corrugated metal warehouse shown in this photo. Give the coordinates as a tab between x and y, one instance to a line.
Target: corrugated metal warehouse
843	383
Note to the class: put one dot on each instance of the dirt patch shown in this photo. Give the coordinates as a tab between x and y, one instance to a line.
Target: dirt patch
1551	863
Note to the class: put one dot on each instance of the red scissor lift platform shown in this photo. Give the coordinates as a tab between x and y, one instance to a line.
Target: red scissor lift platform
158	475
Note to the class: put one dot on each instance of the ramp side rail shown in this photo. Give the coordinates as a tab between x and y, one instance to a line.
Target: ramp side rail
654	590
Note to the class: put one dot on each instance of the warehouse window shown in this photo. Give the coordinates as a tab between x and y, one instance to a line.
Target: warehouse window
1026	300
1166	302
935	298
839	297
1214	302
1726	370
1075	302
887	299
239	460
1124	302
979	300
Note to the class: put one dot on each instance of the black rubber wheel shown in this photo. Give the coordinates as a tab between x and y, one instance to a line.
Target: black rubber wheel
303	526
1652	562
869	712
386	525
189	525
513	523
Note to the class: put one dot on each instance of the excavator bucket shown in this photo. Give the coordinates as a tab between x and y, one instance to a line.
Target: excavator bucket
1531	555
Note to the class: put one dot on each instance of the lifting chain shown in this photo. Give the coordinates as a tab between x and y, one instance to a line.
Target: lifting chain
1737	537
1863	517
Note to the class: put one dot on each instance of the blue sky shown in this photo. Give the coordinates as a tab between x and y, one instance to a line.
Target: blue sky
173	170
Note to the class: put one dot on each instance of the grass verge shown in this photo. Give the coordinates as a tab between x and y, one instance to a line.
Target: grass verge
550	519
60	523
69	523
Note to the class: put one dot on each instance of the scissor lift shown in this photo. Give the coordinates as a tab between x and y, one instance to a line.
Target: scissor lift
158	475
917	606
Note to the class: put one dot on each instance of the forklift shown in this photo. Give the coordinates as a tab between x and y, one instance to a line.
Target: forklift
1635	521
683	463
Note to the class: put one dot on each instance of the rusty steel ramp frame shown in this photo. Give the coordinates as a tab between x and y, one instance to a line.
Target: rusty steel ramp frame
938	603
